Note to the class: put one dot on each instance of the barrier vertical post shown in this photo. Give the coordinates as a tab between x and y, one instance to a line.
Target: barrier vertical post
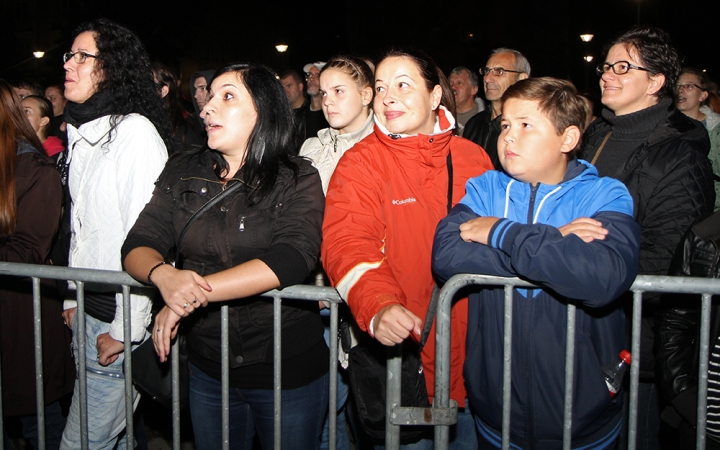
635	368
277	370
82	362
332	408
507	367
569	375
443	328
127	365
703	370
392	396
225	376
175	362
39	379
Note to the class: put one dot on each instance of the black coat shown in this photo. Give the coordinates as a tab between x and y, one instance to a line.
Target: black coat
678	322
283	230
670	179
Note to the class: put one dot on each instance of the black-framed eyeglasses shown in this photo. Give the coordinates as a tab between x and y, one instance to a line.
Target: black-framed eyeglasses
619	68
688	87
497	71
78	57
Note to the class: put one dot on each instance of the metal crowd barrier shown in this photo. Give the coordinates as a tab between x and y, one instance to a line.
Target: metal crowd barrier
441	415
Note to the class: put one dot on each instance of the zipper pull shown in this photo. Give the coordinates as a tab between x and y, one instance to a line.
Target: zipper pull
242	224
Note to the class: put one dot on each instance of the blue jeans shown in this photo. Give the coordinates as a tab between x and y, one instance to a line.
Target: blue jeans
105	395
462	434
252	410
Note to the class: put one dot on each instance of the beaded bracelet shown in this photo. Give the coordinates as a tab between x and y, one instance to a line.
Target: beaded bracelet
150	282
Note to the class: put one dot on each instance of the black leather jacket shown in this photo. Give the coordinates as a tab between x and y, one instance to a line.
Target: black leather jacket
283	230
670	179
678	324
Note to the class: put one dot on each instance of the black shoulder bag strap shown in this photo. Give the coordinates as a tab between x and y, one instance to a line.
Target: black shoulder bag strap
209	204
430	318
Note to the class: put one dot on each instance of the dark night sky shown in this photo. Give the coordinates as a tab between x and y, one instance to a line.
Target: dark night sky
197	35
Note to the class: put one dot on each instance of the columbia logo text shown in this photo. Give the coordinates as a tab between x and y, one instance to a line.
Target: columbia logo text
405	201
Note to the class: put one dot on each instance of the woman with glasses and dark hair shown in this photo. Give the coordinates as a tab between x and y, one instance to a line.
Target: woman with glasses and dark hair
30	208
660	155
118	134
265	235
385	198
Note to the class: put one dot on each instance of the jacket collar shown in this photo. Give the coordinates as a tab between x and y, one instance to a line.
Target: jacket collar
427	149
444	121
327	135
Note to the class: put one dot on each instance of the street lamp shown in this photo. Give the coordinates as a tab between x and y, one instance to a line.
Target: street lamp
586	38
38	55
281	48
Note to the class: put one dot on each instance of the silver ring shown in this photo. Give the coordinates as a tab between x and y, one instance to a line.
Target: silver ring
185	305
195	301
159	330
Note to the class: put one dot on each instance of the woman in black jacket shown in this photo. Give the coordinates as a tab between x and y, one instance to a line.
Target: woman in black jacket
263	236
661	157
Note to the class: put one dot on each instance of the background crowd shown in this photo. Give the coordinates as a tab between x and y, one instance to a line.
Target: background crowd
347	165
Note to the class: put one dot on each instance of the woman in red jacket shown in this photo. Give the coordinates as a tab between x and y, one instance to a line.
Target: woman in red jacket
384	201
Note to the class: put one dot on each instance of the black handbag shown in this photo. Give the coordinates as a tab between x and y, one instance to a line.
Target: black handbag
368	381
148	373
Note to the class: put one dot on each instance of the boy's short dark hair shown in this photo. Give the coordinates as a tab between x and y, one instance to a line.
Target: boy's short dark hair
557	99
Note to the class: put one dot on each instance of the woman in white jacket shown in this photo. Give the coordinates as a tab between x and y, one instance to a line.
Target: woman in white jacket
346	84
118	136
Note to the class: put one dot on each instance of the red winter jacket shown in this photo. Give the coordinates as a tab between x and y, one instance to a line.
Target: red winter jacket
384	201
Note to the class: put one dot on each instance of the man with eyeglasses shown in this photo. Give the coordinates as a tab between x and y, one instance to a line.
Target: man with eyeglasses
504	68
314	117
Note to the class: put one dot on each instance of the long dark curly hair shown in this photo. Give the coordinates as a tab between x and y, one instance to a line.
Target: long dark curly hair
127	77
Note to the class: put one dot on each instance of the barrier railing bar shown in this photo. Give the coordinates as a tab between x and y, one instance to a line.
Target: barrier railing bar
277	370
569	375
703	370
225	375
441	400
82	362
507	366
635	368
332	407
39	379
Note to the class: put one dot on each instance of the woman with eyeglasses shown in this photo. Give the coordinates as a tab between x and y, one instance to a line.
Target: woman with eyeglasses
118	135
660	155
691	98
30	208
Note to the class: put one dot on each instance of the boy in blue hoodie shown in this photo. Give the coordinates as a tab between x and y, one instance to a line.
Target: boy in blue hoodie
549	219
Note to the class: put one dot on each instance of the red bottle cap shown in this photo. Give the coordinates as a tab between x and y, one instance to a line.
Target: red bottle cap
626	357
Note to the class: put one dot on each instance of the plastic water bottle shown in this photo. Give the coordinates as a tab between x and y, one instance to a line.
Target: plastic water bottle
615	371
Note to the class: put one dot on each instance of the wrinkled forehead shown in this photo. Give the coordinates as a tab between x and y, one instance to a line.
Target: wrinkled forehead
505	60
